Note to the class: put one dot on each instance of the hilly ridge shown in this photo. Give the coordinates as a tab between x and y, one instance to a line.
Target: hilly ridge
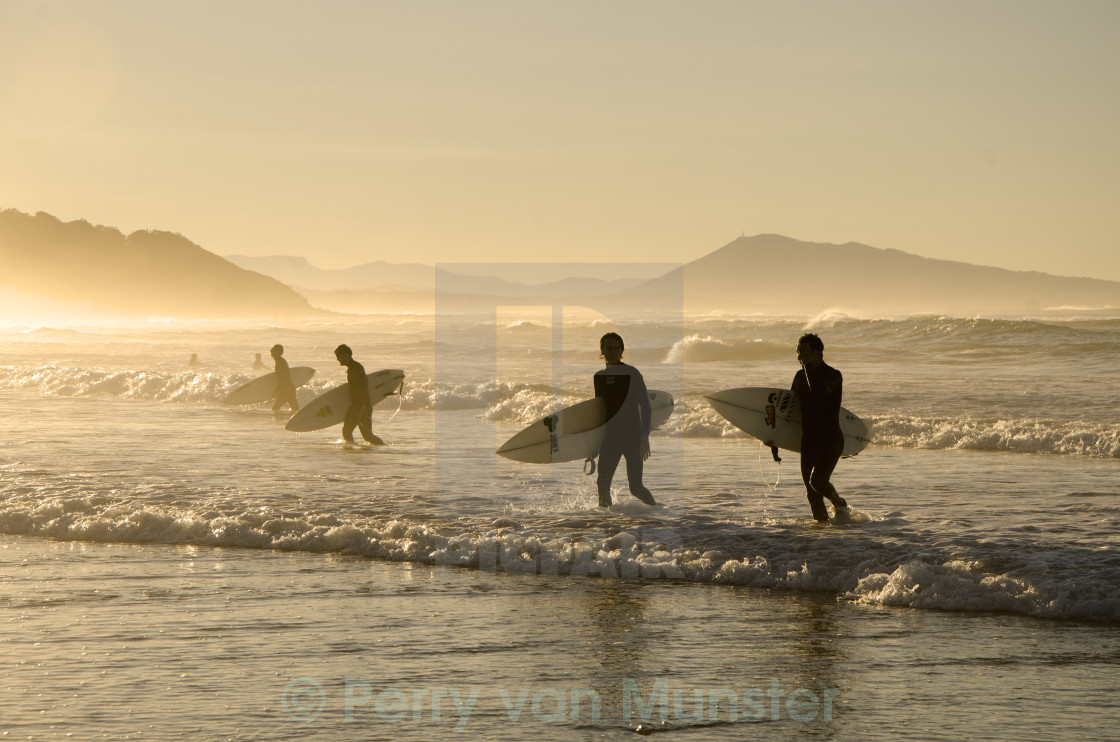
773	273
78	264
145	273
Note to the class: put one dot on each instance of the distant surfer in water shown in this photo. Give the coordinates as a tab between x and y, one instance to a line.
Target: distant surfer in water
360	412
285	389
258	364
628	421
819	387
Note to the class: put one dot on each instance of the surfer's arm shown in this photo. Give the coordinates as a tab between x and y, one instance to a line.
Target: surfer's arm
817	382
644	407
823	380
646	411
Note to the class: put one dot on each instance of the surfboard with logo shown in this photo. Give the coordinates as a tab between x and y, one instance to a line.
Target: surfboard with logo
575	432
329	408
774	417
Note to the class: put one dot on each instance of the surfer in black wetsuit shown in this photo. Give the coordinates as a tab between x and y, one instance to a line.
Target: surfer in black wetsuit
628	420
360	412
285	390
819	387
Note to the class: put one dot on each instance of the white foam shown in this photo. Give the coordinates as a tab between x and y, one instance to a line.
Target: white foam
708	349
809	559
521	403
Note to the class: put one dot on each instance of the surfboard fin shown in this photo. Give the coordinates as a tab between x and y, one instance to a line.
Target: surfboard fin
590	460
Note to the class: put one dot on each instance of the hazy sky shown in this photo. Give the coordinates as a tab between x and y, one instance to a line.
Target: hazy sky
514	130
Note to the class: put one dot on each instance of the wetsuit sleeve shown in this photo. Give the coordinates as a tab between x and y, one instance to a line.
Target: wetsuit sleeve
283	373
827	382
821	385
359	387
643	402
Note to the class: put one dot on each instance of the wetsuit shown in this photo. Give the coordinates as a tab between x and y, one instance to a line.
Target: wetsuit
285	390
360	412
822	442
628	421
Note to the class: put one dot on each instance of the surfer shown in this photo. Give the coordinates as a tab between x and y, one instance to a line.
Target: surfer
360	412
628	421
285	389
258	364
819	387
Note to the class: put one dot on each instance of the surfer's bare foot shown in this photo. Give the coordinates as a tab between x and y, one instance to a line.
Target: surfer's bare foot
605	502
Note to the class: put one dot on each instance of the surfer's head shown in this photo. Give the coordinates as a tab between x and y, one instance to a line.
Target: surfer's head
343	354
812	340
611	347
277	351
810	348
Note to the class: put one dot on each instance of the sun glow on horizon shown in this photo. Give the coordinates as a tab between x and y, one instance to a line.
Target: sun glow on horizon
578	131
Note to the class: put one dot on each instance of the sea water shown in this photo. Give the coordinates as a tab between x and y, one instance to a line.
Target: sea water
171	567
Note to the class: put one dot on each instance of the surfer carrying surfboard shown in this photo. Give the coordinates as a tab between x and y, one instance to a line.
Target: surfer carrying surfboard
819	388
628	421
360	412
285	389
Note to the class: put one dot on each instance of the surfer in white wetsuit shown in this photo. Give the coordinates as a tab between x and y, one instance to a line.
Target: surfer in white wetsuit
360	412
628	421
285	390
820	388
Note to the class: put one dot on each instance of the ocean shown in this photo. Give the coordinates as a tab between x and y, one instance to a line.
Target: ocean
173	568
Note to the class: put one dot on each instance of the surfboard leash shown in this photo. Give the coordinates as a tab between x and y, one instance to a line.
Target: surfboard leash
400	401
777	466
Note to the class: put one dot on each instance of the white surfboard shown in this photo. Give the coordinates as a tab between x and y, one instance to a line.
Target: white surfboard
574	433
774	417
329	408
263	388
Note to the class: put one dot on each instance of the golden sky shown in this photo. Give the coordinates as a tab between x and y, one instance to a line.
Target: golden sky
523	130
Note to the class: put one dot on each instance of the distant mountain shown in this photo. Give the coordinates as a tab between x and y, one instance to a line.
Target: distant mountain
764	274
298	272
77	264
775	274
379	285
146	273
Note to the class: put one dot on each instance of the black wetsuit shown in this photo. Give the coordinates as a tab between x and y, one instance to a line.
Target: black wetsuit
822	441
360	412
628	421
285	390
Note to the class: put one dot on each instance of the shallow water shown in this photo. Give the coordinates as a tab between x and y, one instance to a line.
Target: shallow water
172	567
116	641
